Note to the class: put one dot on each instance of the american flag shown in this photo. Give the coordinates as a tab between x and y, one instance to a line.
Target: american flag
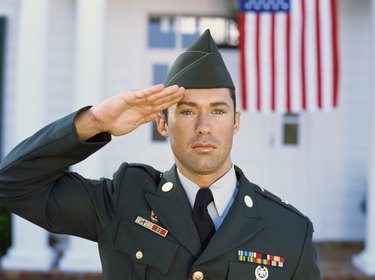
289	55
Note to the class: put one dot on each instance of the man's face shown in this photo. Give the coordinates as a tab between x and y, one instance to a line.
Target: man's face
201	128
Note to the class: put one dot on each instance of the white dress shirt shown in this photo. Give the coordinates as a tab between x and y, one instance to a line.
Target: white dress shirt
223	190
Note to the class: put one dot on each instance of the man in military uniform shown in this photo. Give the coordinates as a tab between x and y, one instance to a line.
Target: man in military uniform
202	219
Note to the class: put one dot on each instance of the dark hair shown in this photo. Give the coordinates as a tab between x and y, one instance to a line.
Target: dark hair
232	95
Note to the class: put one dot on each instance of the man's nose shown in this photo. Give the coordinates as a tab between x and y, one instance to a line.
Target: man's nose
203	125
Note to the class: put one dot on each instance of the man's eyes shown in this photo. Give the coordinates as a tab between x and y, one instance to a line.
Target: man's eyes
217	111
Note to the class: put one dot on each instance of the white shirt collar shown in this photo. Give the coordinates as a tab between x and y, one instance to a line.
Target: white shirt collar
222	190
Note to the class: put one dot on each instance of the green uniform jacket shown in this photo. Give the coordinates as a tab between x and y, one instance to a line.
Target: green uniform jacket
35	184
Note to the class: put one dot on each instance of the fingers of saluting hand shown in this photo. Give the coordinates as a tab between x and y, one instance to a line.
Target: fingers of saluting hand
126	111
158	97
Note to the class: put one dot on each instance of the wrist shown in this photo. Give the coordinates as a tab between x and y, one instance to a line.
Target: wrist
86	125
96	126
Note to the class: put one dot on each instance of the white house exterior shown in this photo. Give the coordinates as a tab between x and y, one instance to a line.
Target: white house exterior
62	55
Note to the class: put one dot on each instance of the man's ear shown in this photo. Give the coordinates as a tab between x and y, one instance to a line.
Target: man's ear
236	126
162	124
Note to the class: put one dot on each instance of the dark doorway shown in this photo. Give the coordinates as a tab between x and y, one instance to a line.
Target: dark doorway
2	74
5	217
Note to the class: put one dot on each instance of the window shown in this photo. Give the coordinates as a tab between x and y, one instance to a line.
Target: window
182	31
291	129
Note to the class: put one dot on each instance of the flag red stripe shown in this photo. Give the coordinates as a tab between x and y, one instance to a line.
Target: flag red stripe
258	59
273	63
318	54
335	50
243	68
303	55
288	63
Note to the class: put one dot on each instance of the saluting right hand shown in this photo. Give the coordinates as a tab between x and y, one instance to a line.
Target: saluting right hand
124	112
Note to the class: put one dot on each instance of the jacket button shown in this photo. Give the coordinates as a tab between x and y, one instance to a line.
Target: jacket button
198	275
139	255
167	187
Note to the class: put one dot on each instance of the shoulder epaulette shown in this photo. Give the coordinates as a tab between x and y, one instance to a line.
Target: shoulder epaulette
278	200
155	174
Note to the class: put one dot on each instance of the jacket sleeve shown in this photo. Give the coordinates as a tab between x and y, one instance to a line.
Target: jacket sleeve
35	182
307	268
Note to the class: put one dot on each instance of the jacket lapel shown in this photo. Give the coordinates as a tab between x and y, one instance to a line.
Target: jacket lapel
174	212
241	223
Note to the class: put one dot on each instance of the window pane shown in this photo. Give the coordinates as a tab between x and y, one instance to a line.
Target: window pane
159	73
161	33
290	134
290	129
189	39
189	30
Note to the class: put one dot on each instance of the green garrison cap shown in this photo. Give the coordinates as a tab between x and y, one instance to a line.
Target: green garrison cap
200	66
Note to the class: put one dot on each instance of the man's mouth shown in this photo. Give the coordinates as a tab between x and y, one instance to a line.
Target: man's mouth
203	147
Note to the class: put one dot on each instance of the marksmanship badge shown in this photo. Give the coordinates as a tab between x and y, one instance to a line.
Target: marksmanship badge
261	273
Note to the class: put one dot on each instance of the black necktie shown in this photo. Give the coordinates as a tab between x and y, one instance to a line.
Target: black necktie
202	219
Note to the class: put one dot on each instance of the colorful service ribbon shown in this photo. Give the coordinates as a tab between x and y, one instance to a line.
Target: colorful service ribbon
262	259
151	226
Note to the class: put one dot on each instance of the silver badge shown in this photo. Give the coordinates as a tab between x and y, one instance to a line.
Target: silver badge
261	273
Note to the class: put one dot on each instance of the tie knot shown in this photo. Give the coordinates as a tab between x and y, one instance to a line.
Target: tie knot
203	198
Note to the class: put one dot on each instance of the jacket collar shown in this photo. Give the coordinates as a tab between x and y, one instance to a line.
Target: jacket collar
174	212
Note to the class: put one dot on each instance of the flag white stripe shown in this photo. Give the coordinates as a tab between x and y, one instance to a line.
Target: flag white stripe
280	63
326	47
296	90
251	62
265	62
311	67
